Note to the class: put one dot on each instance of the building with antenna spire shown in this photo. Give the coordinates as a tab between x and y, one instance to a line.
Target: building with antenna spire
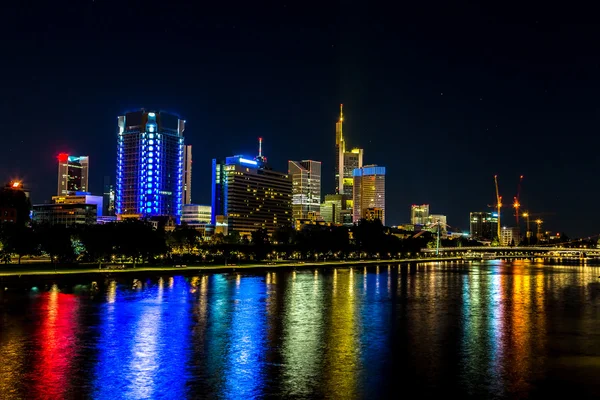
346	162
247	195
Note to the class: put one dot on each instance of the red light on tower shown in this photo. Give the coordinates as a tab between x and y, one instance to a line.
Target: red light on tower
63	157
16	184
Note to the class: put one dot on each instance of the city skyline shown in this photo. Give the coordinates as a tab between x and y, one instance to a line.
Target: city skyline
443	111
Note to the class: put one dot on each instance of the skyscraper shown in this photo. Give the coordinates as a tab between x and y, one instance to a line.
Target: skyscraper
187	175
346	161
484	225
340	148
419	214
352	160
369	192
306	187
247	195
149	165
72	174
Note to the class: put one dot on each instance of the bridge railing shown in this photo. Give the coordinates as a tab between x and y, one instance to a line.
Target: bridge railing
515	249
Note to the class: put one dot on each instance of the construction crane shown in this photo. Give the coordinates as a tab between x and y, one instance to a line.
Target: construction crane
516	203
498	204
537	221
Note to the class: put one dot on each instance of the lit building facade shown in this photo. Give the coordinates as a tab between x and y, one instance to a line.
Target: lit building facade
149	165
73	172
335	209
373	213
187	175
81	198
196	214
419	214
65	214
510	236
369	191
247	196
483	225
434	219
306	188
352	160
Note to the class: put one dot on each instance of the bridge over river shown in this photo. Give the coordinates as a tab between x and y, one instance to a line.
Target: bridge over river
515	251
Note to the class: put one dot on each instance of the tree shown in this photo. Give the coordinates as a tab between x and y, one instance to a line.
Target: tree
18	239
232	238
13	197
260	243
98	241
284	235
495	242
55	240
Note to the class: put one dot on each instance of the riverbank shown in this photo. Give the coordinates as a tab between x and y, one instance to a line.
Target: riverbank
28	270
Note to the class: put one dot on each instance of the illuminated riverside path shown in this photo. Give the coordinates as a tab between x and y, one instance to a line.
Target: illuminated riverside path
495	329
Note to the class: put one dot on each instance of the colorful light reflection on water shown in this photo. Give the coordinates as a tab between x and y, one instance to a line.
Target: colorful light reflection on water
491	330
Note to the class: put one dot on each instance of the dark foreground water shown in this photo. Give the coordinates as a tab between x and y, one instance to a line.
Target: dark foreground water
449	330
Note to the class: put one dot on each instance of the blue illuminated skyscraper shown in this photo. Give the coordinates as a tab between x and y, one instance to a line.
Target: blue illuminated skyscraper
149	165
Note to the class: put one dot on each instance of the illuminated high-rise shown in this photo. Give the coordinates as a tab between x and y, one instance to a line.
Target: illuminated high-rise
340	148
419	214
149	165
346	161
352	160
484	225
369	192
187	175
306	188
247	195
72	174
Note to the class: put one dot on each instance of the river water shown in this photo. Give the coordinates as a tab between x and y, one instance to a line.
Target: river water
462	330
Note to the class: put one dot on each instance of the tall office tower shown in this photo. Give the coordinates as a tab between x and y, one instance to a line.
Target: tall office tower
352	160
149	165
346	161
247	196
187	175
369	192
306	188
419	214
340	149
72	174
484	225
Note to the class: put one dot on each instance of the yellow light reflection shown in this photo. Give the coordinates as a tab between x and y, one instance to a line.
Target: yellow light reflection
342	355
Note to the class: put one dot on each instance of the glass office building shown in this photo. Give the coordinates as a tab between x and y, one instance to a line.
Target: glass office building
72	174
369	192
247	195
306	188
149	165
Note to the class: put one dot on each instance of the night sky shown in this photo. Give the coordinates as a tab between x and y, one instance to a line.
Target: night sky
443	97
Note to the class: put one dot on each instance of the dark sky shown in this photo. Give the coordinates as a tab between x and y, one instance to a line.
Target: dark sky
443	97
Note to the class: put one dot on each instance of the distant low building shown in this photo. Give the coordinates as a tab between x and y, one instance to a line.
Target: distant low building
81	198
510	236
65	214
373	213
419	214
196	214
